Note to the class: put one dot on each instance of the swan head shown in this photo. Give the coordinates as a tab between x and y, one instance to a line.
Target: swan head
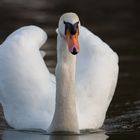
68	28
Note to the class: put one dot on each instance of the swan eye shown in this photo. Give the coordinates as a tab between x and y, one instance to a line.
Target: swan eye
72	28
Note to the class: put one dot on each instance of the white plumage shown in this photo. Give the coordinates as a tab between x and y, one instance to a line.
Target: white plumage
97	73
27	88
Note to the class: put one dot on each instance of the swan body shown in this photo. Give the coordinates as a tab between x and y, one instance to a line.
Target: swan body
79	96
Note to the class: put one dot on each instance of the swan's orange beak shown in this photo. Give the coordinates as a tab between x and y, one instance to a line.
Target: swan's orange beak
73	44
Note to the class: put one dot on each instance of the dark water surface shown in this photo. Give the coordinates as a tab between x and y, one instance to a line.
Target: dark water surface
117	23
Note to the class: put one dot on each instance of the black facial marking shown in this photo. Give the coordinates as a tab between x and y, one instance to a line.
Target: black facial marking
71	27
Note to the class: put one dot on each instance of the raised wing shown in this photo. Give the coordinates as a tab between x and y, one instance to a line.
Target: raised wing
96	78
26	85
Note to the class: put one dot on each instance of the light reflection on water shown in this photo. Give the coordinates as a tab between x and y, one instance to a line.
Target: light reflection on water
16	135
21	135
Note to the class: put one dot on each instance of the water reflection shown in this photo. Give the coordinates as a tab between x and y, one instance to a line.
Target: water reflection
16	135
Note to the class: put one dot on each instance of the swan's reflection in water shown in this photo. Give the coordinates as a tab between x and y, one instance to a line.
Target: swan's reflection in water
16	135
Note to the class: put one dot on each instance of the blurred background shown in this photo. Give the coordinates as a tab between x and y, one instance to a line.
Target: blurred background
117	22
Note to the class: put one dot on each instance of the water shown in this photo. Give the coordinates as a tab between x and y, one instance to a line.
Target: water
16	135
117	23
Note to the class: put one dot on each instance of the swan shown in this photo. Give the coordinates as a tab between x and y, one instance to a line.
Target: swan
76	97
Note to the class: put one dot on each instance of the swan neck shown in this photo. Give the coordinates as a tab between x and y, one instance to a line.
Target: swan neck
65	116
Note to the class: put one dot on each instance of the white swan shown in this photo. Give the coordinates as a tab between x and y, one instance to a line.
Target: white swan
28	89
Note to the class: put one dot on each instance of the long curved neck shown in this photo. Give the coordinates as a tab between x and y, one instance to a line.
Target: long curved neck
65	116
